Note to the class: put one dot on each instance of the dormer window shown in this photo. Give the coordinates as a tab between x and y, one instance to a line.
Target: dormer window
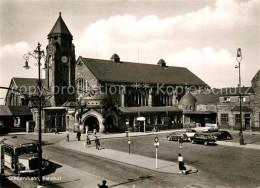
115	58
162	63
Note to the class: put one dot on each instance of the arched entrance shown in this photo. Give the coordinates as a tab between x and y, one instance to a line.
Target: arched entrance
111	122
91	123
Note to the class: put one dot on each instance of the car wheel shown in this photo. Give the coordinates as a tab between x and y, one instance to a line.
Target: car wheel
205	143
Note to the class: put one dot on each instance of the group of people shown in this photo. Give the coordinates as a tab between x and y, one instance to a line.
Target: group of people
88	141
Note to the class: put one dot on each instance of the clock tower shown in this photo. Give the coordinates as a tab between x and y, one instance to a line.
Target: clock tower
60	63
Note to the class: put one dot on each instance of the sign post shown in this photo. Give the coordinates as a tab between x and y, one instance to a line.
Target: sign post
156	144
180	142
129	143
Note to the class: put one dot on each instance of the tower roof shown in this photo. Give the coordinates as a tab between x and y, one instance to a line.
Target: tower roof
59	27
188	99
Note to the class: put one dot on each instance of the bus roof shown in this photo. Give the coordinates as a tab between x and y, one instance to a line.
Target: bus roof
17	142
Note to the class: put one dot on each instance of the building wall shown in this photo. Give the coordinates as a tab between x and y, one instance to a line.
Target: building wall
206	107
255	103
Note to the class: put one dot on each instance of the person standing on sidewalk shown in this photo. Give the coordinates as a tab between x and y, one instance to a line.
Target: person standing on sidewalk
67	136
94	132
78	135
97	142
181	164
88	142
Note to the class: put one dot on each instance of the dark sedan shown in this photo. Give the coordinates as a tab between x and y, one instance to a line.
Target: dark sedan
223	135
176	136
204	138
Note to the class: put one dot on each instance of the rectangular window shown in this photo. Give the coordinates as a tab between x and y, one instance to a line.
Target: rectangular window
224	118
247	115
237	117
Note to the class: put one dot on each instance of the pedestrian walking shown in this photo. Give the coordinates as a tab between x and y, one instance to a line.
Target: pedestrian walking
104	182
182	168
88	142
78	135
56	130
97	142
67	136
94	132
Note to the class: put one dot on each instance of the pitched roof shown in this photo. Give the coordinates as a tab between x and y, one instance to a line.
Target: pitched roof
15	111
188	99
25	82
5	111
59	27
26	85
257	76
107	70
207	98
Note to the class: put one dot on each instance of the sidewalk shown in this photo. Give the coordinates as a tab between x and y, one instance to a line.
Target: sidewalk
65	176
131	159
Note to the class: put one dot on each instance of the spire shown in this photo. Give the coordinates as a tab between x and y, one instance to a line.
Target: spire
59	27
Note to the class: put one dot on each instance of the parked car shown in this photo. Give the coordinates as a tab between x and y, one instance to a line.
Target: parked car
176	136
210	128
204	138
190	133
223	135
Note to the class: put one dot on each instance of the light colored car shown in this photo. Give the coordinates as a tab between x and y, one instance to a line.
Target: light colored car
190	133
210	128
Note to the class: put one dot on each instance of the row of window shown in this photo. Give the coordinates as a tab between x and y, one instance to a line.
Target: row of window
224	118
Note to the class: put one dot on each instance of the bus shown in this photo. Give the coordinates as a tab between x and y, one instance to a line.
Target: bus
21	155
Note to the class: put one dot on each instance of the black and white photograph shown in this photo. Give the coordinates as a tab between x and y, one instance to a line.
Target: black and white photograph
130	93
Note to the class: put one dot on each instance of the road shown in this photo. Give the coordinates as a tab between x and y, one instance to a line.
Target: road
219	166
237	167
119	172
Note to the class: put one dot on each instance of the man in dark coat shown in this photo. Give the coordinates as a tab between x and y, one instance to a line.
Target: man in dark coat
78	135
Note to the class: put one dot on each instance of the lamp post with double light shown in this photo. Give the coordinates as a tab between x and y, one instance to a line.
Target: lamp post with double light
38	54
239	59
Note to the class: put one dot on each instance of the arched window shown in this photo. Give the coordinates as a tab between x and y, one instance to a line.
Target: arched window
162	99
81	85
136	99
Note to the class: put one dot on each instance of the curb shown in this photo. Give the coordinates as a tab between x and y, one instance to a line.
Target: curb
191	168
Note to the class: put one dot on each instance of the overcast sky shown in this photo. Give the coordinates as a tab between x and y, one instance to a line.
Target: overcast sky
202	35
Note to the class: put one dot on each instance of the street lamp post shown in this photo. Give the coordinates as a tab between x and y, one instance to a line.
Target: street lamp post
38	54
239	59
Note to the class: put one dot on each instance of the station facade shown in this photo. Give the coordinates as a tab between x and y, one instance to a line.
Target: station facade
111	94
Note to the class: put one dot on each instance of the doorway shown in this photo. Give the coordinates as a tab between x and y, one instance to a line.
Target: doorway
91	123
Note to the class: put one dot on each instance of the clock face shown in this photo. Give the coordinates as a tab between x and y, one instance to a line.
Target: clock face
64	59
